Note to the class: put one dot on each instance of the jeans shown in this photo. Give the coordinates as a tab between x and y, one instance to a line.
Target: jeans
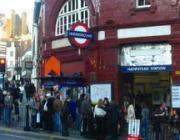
7	115
65	131
144	129
33	121
78	121
176	137
57	121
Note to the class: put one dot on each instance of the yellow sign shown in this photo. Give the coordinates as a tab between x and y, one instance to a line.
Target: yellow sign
177	72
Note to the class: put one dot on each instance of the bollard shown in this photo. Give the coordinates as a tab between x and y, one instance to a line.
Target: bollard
27	127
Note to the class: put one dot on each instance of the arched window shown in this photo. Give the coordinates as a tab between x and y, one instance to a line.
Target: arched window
71	12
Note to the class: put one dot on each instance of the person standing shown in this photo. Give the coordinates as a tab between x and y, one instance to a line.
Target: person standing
57	106
87	117
8	105
29	89
159	120
130	111
114	120
64	116
33	112
99	113
144	122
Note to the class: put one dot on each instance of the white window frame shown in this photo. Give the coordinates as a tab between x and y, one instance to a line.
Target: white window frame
144	4
71	12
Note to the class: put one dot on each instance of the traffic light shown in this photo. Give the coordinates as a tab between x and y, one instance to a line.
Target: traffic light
2	65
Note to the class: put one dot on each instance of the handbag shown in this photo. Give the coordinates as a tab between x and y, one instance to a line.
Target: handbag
38	119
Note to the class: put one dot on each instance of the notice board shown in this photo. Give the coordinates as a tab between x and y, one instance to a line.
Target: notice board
100	91
175	96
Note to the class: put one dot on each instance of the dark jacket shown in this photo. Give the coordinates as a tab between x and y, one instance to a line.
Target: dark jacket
65	109
86	109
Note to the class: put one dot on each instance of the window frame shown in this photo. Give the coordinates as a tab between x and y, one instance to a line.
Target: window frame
70	14
144	5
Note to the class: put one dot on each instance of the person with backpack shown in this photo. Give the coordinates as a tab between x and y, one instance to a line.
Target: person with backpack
57	107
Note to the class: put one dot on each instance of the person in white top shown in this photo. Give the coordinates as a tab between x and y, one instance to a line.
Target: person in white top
100	114
130	112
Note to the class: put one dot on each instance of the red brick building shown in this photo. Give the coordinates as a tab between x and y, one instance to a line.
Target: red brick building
117	24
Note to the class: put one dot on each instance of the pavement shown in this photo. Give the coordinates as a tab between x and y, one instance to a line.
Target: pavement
41	135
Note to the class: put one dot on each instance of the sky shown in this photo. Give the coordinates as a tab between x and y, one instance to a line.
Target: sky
19	6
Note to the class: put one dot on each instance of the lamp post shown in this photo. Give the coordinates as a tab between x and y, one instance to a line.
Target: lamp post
18	58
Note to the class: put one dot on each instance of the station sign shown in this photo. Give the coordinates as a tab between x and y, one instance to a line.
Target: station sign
129	69
80	35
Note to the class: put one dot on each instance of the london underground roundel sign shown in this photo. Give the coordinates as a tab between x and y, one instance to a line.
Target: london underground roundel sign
79	35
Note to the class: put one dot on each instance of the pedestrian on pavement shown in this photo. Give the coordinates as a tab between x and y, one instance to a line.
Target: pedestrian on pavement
130	111
114	120
64	116
160	116
100	113
78	112
8	106
29	89
87	117
57	107
144	122
33	112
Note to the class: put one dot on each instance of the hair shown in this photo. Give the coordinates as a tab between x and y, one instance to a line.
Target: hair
106	100
100	103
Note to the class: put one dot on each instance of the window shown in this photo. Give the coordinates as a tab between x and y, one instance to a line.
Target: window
11	53
142	3
11	63
71	12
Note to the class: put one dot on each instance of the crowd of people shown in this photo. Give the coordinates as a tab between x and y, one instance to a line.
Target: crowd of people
164	120
52	111
100	120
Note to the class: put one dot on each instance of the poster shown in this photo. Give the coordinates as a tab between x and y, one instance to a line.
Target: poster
100	91
175	96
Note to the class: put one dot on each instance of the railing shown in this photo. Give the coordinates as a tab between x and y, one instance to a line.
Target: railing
168	132
17	117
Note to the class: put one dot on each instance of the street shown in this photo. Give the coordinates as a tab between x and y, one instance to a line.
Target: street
13	137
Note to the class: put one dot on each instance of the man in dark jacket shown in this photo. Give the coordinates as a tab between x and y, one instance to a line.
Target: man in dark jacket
87	117
64	116
113	119
29	89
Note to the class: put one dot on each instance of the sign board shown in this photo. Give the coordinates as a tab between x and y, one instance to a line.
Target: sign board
175	96
79	35
156	68
177	72
28	64
148	57
134	127
100	91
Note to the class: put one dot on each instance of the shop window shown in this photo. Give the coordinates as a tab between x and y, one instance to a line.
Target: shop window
142	3
72	11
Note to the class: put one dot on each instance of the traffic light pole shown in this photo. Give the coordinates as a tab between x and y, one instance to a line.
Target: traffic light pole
3	81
